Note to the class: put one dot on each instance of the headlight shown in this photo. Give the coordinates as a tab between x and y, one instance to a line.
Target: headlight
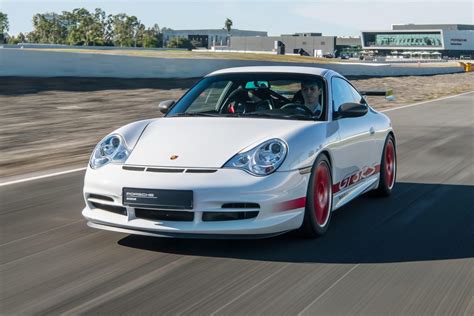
262	160
110	149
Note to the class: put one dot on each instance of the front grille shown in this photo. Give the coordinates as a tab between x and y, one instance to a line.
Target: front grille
227	216
240	205
110	208
201	170
165	170
168	170
162	215
131	168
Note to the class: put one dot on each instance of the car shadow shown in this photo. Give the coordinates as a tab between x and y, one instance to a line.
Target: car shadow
417	222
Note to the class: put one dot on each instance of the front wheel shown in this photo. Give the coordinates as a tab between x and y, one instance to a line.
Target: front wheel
318	199
388	168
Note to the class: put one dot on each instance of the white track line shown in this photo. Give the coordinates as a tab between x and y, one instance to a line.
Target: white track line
42	176
80	169
424	102
328	289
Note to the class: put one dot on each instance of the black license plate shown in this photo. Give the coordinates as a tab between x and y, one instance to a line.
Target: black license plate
167	199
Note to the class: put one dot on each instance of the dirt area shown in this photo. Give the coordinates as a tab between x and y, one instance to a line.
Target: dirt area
195	55
48	123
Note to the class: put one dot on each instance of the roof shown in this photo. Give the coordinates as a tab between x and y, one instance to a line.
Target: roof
446	27
288	69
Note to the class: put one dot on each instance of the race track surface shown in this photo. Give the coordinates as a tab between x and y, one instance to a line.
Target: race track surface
411	253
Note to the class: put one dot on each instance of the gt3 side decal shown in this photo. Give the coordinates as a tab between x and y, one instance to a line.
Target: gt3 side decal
344	184
354	178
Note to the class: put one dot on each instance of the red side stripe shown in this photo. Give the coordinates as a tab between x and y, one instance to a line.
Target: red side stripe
377	168
291	205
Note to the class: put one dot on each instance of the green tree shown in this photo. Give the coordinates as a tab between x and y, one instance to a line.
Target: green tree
109	30
12	40
228	25
81	27
98	28
16	40
151	36
160	36
48	28
125	30
22	38
138	33
4	27
180	42
84	28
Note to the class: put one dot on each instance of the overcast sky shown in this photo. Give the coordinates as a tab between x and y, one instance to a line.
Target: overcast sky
336	17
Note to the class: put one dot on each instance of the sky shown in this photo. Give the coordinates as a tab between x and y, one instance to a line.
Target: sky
336	17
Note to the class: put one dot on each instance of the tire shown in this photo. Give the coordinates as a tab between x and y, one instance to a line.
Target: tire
388	168
318	199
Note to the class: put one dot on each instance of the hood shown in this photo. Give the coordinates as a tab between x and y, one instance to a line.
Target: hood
203	142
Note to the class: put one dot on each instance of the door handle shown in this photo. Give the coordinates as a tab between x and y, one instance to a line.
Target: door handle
372	131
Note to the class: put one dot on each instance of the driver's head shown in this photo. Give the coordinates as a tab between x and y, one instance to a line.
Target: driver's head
311	91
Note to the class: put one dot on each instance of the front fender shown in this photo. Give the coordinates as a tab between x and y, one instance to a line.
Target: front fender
305	145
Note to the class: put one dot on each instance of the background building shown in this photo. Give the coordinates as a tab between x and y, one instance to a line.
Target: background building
208	38
451	40
308	44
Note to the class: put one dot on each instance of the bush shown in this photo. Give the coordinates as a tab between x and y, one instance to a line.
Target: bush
180	42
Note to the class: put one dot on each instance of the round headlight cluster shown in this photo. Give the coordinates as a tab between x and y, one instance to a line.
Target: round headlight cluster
110	149
262	160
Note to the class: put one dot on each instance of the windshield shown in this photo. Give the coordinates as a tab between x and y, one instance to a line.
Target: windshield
262	95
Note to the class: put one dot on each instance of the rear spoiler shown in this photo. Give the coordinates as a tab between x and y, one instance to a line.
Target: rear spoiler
387	93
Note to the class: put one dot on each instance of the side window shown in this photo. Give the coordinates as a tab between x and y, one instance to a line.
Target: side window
357	97
343	92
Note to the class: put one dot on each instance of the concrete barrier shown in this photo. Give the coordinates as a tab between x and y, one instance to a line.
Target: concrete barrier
23	62
60	46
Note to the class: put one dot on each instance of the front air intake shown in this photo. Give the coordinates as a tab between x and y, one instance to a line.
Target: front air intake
110	208
163	215
227	216
241	205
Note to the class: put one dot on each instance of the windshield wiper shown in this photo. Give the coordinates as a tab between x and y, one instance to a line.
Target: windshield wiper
299	117
194	114
279	116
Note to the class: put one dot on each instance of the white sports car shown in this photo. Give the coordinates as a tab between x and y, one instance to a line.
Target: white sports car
244	153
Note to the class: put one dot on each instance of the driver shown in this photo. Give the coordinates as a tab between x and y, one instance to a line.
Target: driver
311	90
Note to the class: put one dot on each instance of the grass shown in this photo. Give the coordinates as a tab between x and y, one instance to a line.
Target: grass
194	55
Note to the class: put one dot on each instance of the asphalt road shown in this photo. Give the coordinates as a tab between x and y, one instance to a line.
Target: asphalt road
411	253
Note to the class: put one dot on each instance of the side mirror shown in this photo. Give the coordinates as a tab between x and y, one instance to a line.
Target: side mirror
164	106
352	110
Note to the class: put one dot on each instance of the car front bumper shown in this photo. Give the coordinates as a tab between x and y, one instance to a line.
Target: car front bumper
280	198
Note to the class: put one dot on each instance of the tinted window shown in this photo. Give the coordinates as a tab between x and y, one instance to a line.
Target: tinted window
343	92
